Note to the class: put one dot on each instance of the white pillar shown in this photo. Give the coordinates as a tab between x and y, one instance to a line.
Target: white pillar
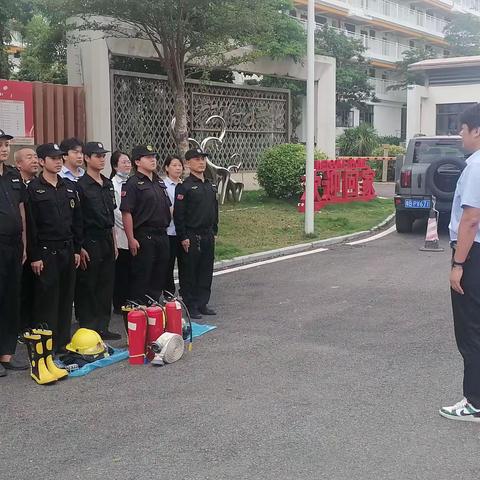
415	95
326	107
309	171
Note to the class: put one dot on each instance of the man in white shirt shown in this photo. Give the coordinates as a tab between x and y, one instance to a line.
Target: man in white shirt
465	272
72	160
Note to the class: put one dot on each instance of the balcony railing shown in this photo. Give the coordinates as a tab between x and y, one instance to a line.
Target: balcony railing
377	47
473	6
382	91
397	13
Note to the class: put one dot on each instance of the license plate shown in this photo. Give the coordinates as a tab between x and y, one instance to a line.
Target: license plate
417	203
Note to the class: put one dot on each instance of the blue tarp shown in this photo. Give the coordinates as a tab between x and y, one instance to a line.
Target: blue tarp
122	354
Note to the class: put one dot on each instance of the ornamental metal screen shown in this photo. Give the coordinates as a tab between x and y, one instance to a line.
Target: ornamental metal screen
142	109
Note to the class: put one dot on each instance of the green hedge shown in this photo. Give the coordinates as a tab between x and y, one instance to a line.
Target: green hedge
280	168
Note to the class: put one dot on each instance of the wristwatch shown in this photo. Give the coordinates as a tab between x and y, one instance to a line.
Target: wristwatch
457	264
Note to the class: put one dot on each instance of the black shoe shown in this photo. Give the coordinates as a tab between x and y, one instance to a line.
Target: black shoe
107	335
3	372
207	311
14	364
195	314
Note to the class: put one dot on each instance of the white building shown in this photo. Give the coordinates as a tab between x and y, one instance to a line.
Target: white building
388	28
451	85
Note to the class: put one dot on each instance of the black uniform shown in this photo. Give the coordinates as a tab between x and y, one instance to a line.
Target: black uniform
12	195
94	289
27	319
196	218
148	202
54	234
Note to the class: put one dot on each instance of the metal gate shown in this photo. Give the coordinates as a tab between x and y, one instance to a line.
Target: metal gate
142	109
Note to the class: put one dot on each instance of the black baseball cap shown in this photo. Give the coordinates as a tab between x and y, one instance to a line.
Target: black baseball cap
195	153
142	151
94	147
4	135
70	144
49	150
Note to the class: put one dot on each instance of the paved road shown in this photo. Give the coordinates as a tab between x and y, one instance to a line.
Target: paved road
328	366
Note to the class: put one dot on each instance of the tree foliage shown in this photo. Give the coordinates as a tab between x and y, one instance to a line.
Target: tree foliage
406	77
359	141
44	58
463	35
186	32
353	86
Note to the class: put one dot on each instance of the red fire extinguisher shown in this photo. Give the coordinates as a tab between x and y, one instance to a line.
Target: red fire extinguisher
155	327
137	334
173	311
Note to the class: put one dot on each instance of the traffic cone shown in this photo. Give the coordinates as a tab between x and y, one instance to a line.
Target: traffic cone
431	237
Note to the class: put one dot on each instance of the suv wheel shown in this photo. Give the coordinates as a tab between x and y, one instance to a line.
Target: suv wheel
403	222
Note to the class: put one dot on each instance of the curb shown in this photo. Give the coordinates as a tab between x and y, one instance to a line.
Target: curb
302	247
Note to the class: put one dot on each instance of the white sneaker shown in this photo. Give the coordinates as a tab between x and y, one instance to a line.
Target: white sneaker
462	410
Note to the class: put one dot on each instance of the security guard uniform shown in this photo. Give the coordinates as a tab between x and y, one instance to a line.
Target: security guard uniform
196	218
54	235
94	290
149	205
12	195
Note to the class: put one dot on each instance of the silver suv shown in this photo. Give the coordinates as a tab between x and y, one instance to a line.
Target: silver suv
429	170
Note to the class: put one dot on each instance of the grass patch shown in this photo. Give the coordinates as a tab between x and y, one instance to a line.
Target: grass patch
259	223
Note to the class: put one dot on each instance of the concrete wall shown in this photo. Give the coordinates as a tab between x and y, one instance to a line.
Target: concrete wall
422	104
387	119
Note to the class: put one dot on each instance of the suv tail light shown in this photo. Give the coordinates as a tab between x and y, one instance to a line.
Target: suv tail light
406	179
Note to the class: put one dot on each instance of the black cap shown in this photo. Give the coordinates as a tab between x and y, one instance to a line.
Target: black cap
142	151
94	147
49	150
70	144
195	153
4	135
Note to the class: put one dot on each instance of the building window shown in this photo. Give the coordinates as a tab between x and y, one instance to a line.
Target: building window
349	27
371	72
411	43
345	118
320	20
446	53
366	115
447	117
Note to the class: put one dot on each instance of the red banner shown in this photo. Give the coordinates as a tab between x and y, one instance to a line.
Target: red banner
340	181
16	110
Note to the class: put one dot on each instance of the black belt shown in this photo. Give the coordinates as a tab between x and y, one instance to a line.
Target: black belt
9	239
150	231
56	244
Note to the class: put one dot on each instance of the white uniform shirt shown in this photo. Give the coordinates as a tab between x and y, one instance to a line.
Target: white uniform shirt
120	234
66	173
171	195
467	194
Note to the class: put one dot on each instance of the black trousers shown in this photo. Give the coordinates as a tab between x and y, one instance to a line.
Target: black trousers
175	253
54	290
149	267
466	317
122	279
26	298
94	288
197	270
10	280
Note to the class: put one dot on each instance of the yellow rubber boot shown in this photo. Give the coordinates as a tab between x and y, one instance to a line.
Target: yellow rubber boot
47	344
38	369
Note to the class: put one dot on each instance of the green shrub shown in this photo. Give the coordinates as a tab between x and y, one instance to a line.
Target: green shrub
389	139
280	168
392	151
360	141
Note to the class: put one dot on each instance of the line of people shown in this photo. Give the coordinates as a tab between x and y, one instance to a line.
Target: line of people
70	235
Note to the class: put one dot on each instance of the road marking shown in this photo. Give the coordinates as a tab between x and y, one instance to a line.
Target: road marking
374	237
266	262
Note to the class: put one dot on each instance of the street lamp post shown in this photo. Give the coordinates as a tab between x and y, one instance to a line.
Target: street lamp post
309	170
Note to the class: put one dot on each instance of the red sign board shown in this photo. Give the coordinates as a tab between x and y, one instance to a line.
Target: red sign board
16	110
340	181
